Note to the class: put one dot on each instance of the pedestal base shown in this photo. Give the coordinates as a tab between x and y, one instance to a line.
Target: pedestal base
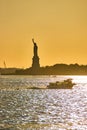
35	63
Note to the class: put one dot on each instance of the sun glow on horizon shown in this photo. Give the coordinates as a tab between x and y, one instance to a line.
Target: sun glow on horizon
58	26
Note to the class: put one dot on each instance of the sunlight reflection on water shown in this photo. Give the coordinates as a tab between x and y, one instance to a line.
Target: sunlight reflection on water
42	109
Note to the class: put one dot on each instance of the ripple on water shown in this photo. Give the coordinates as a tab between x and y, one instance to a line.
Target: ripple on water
44	109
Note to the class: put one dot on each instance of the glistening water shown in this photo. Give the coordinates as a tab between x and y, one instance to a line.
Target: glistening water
22	108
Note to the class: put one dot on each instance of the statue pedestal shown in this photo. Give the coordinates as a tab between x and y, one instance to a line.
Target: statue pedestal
35	63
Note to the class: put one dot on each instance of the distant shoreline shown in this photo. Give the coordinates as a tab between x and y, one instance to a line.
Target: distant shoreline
57	69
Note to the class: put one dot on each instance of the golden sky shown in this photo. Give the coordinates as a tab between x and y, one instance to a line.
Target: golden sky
59	28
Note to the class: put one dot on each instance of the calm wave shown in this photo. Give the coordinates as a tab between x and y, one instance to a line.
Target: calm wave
29	109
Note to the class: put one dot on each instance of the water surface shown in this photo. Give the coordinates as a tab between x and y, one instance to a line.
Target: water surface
22	108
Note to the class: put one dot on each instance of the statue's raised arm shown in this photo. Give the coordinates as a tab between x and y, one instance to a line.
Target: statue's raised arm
33	40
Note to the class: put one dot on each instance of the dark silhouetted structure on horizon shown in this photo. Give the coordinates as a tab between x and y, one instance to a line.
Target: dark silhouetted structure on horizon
35	59
56	69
